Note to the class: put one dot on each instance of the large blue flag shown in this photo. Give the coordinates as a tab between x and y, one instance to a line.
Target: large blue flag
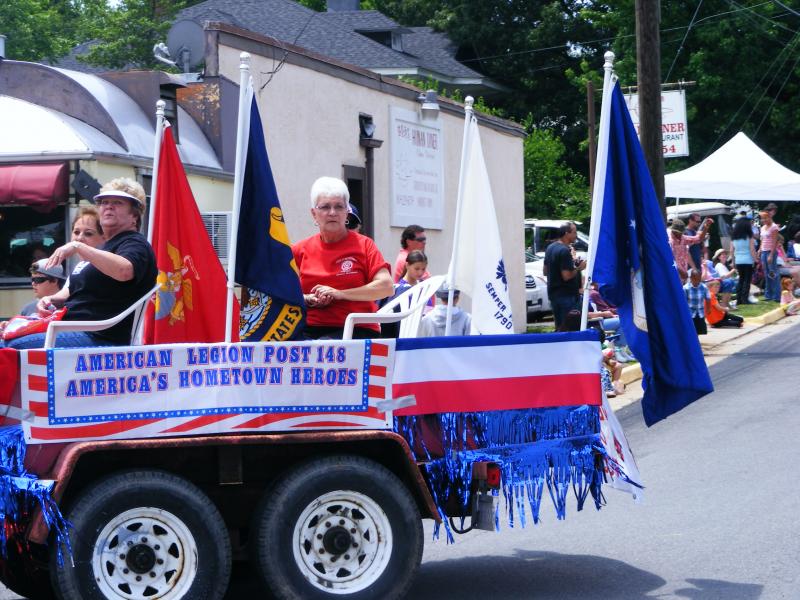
636	271
274	308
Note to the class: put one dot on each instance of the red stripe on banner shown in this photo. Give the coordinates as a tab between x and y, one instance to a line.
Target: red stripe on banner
198	422
87	431
377	371
38	408
37	383
499	394
376	391
37	357
380	349
262	420
328	424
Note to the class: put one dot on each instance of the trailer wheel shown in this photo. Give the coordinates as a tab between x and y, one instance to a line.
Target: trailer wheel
144	534
340	526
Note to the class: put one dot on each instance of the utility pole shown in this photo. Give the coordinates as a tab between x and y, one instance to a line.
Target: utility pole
592	140
648	72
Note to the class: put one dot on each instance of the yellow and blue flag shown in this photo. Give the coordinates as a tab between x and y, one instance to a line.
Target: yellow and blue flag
273	309
636	271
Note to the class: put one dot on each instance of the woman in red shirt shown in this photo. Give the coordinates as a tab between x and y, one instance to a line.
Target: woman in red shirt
341	271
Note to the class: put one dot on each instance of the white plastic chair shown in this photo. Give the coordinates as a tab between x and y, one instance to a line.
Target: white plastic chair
137	308
411	302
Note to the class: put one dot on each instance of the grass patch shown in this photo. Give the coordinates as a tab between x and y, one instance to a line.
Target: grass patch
541	327
755	310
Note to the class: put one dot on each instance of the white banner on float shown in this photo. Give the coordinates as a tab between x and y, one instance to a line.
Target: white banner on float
416	170
160	382
674	127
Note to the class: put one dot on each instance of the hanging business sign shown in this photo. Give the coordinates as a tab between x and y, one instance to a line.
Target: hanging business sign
674	129
417	173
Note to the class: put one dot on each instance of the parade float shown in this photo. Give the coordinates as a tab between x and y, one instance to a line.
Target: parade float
145	471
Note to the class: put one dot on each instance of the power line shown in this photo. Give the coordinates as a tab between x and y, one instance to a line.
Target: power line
750	95
778	93
685	35
567	44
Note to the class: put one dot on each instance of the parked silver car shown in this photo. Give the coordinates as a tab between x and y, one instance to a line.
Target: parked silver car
536	300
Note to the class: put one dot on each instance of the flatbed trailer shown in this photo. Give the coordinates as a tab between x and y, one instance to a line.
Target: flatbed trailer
317	460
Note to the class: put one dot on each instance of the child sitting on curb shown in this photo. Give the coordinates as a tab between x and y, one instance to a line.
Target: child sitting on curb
716	314
789	304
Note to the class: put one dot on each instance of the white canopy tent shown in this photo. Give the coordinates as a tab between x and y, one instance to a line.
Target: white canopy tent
739	170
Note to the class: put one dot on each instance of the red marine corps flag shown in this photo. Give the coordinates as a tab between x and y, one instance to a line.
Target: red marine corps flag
189	304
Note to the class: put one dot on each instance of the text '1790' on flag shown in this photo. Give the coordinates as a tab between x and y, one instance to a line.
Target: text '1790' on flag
189	304
635	270
272	304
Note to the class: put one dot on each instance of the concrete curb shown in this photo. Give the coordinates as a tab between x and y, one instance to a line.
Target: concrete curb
633	372
775	314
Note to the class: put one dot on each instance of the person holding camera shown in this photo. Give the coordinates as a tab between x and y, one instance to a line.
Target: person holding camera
563	272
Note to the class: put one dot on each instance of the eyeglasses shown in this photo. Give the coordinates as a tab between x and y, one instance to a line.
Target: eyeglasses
331	208
420	239
39	280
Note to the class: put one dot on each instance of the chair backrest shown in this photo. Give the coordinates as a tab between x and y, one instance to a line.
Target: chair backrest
409	304
137	308
414	300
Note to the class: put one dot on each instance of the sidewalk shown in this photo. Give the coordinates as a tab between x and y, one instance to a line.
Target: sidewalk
716	345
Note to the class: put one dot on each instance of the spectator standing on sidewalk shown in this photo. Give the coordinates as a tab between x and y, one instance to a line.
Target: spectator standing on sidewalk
693	224
679	242
743	249
696	295
769	256
563	273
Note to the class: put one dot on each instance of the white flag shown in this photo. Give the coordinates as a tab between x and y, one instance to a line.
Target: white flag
479	269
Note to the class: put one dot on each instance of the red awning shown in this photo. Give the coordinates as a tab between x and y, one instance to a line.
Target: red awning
38	185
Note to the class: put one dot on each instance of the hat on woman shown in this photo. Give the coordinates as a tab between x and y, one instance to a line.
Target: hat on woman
678	226
718	252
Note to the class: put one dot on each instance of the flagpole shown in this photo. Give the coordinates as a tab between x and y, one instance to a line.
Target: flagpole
468	114
151	217
242	130
599	180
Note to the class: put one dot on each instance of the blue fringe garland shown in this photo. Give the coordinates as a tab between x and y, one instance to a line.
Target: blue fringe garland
556	447
21	493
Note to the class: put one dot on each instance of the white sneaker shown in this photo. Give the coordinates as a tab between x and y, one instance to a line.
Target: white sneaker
752	299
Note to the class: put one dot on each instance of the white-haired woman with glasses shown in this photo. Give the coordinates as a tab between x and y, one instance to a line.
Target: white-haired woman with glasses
109	278
341	271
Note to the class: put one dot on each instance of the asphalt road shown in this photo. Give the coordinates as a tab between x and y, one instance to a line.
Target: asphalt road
719	519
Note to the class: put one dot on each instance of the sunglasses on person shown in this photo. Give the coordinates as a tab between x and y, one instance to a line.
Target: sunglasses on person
40	280
420	239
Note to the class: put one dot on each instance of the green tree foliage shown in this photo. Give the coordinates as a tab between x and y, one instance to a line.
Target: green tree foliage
552	189
39	30
744	57
127	32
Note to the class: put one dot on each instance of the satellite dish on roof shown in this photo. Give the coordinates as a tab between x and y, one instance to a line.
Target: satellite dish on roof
186	41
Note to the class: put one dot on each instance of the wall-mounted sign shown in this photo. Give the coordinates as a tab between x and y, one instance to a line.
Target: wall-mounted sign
674	129
416	170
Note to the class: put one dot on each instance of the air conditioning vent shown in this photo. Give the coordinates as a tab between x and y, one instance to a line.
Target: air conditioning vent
218	227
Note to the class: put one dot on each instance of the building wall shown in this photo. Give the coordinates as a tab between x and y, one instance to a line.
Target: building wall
311	127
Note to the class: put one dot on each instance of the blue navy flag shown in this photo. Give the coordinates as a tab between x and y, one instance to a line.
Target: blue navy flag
274	308
636	271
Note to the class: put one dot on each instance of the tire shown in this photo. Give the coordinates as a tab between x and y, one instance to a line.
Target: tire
306	526
171	535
